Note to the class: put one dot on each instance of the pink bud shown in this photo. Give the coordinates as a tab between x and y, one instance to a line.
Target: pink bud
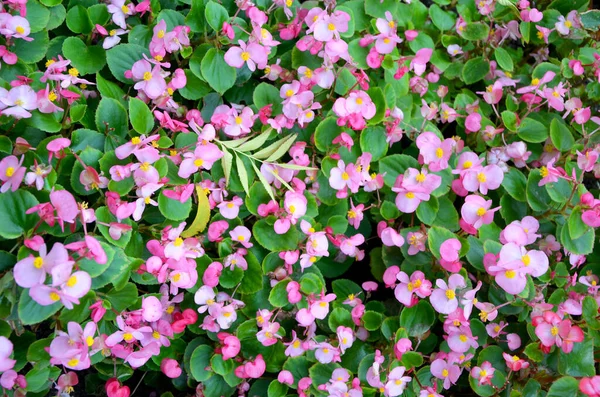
170	367
285	377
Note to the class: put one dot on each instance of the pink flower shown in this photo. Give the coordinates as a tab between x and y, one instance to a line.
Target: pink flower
445	371
149	79
476	211
450	253
514	363
487	178
242	235
390	237
483	374
345	338
152	309
590	386
32	270
6	350
473	123
11	173
514	341
252	369
170	367
417	284
443	298
252	54
419	61
327	27
230	209
397	382
435	152
553	331
231	346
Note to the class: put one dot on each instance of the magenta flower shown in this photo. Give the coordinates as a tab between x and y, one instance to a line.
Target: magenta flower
552	330
252	54
148	79
6	349
126	333
327	27
462	340
487	178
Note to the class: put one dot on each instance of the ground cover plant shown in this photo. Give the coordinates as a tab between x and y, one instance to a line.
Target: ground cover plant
283	198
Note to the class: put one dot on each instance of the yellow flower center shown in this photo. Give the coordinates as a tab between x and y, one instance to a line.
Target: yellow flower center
245	56
544	172
176	277
198	162
74	72
241	238
160	34
159	58
292	209
147	76
398	382
72	281
391	24
19	30
38	262
289	93
554	331
238	120
170	309
89	341
156	335
410	195
73	362
555	94
481	211
463	338
526	260
467	164
450	294
308	73
178	241
288	3
54	296
145	166
568	24
481	177
52	96
420	177
49	62
510	274
296	344
351	214
331	27
345	176
127	336
444	372
359	101
147	200
536	81
482	373
439	153
515	358
227	314
312	259
326	350
125	9
19	102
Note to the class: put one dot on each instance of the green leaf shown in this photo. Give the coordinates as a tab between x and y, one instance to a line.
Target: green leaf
510	120
253	276
215	15
78	20
242	173
475	31
576	226
327	130
580	361
122	57
395	165
104	215
565	386
515	184
581	246
200	363
561	136
31	312
533	352
172	18
111	117
32	51
123	298
590	313
267	94
427	211
310	283
37	15
13	220
378	98
140	116
590	19
475	69
340	316
372	320
86	59
264	233
435	237
6	145
174	209
441	19
278	297
217	73
373	140
537	196
277	389
504	59
417	319
411	360
532	131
